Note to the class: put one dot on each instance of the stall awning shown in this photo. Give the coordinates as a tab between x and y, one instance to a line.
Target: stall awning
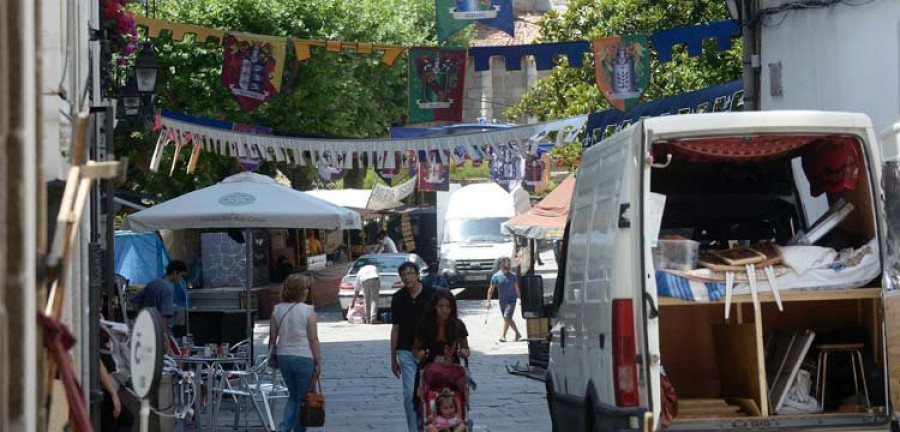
245	200
547	219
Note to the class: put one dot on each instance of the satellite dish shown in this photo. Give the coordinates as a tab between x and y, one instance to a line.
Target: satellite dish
147	346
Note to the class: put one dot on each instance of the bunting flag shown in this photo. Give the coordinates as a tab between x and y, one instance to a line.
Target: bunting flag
434	174
221	138
723	97
622	69
455	15
693	37
255	158
507	165
544	54
436	84
155	27
537	173
253	68
389	53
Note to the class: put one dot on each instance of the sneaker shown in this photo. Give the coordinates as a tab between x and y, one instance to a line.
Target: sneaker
518	338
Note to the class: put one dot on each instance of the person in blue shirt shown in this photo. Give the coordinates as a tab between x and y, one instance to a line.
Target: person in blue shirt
434	279
159	293
506	283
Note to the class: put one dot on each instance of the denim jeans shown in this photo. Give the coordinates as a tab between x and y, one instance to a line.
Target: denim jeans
409	366
297	372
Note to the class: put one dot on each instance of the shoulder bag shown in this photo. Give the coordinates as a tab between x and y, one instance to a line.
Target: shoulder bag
273	349
312	407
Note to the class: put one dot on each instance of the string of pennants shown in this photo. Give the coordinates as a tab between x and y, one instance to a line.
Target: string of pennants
330	156
253	64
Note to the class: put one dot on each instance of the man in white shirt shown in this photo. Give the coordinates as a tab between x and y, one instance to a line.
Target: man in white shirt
368	282
385	244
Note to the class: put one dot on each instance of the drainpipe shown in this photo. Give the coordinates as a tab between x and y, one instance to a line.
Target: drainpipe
750	58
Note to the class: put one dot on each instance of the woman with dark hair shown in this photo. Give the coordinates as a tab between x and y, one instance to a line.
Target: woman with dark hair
441	336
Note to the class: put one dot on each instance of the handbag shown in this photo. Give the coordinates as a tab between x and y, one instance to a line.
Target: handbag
273	349
312	407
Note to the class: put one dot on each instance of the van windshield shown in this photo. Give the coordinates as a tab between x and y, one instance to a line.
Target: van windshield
475	230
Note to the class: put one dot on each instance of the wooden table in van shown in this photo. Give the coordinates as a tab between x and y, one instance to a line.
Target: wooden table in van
873	294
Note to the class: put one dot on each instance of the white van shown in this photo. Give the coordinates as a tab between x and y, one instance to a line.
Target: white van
473	243
726	179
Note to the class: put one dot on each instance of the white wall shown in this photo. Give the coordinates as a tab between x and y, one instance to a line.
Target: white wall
842	58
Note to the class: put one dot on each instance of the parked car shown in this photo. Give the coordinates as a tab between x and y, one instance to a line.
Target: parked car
388	264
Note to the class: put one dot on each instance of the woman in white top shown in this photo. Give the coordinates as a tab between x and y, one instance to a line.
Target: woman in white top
294	330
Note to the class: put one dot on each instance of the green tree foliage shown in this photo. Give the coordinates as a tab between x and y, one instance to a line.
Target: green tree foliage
340	95
572	91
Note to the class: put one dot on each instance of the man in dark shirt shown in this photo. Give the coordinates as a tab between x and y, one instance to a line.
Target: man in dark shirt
407	307
159	292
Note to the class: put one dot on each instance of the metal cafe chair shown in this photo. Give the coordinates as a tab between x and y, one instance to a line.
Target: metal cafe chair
240	385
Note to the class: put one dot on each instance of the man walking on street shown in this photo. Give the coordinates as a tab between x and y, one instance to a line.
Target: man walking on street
407	307
506	283
159	293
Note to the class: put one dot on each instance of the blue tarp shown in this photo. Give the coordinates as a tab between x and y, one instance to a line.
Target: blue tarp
141	258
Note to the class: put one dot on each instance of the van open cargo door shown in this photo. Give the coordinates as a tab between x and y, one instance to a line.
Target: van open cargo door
651	221
890	174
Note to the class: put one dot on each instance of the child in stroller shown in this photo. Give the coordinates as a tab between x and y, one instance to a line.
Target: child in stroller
444	418
440	343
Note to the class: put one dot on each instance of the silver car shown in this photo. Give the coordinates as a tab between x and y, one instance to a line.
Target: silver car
387	264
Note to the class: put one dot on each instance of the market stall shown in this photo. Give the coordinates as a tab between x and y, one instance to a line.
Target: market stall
237	215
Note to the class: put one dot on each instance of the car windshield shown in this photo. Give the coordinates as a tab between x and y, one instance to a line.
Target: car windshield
475	230
385	264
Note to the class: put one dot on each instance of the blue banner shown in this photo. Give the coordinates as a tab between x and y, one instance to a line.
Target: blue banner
724	97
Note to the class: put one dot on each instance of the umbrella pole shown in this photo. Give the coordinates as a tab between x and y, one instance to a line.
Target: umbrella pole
247	284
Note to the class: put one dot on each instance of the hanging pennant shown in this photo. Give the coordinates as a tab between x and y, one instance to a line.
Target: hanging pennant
622	69
455	15
436	84
537	173
253	68
254	159
434	175
507	165
327	167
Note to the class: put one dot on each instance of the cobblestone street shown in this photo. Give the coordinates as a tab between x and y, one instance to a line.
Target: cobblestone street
362	394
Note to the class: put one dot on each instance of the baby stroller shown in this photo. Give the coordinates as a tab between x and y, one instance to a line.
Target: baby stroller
437	377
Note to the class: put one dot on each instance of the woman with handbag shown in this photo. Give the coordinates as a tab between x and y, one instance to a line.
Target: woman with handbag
294	345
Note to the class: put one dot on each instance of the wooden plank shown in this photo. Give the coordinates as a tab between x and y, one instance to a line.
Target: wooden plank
763	400
738	361
892	327
700	403
747	405
788	296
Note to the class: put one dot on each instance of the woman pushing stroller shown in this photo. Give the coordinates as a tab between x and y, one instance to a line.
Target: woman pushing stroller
441	342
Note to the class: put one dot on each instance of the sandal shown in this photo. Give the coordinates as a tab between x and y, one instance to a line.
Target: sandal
503	339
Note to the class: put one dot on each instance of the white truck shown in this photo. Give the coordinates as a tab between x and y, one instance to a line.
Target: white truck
472	241
619	323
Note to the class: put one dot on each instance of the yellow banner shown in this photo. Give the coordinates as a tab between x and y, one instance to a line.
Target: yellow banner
155	27
389	53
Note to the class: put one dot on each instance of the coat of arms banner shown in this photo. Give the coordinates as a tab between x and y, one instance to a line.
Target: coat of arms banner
436	84
253	68
622	69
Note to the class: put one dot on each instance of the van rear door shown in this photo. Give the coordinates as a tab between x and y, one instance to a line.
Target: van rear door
649	298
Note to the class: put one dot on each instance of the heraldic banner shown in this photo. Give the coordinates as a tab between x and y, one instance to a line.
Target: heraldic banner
622	69
253	68
455	15
436	84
